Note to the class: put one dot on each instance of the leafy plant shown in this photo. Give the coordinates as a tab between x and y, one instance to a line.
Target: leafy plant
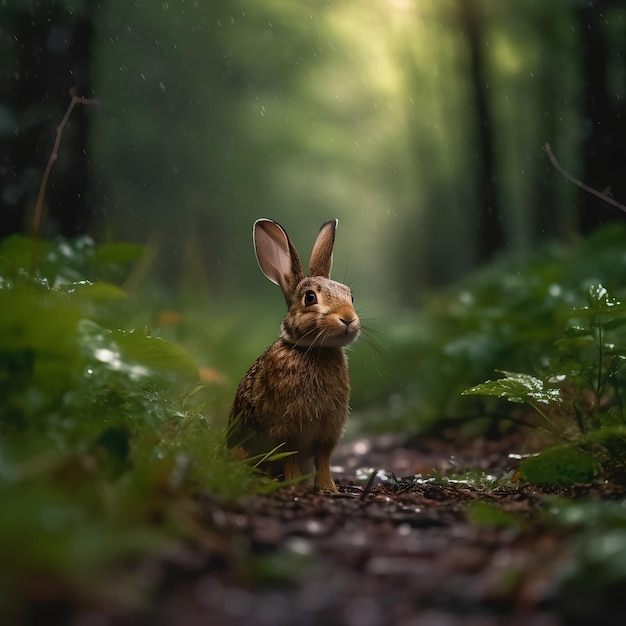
503	317
579	396
103	438
520	388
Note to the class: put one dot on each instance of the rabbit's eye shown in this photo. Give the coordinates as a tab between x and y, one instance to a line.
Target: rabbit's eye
310	297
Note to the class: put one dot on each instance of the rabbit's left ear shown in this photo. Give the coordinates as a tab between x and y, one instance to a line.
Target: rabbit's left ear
322	255
277	256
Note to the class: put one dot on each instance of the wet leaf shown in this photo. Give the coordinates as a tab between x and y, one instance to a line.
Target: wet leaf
599	298
97	291
155	352
600	302
516	387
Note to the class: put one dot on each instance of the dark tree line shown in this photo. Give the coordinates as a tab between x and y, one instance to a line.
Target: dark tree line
604	120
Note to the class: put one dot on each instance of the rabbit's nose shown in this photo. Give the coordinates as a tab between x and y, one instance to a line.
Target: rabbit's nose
346	322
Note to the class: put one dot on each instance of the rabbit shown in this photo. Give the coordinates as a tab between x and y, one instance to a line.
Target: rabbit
297	392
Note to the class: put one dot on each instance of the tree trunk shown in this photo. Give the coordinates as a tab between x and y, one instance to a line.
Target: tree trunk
604	147
489	219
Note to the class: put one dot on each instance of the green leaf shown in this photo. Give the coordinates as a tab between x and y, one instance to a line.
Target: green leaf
599	295
600	302
615	364
559	466
614	322
577	331
134	352
42	322
155	352
98	291
516	387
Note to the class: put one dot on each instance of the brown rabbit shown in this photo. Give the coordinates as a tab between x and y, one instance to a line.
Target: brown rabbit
298	391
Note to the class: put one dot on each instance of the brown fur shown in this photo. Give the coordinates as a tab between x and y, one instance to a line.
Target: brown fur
297	392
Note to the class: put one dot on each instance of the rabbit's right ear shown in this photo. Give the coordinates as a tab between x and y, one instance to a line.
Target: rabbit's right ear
277	256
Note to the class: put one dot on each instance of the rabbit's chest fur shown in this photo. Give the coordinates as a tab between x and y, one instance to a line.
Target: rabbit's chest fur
296	395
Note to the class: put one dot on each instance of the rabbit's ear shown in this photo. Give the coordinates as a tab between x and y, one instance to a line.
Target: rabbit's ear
277	256
322	255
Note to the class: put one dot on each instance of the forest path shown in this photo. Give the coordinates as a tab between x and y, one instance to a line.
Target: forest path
393	552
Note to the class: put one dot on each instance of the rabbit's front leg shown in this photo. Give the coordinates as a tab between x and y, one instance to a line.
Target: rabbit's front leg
323	478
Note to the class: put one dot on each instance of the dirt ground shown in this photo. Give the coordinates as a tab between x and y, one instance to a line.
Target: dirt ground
385	551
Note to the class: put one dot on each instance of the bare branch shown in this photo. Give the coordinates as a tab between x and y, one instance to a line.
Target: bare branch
579	183
37	219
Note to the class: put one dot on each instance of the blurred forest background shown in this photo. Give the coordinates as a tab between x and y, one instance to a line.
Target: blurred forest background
420	124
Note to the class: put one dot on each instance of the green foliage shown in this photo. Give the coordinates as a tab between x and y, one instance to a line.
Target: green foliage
552	323
506	317
585	364
516	388
102	434
61	261
559	466
578	394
